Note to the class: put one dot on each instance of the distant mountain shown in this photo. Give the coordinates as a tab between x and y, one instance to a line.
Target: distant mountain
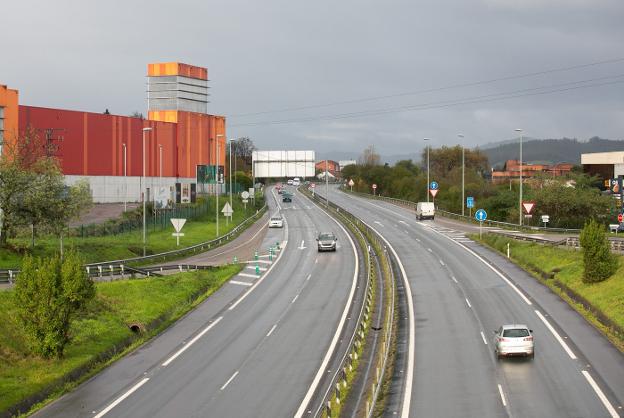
549	150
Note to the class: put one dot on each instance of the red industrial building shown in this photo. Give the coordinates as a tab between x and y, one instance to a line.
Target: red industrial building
108	149
332	166
511	170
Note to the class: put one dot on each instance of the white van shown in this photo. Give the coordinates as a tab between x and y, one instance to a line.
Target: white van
425	210
296	181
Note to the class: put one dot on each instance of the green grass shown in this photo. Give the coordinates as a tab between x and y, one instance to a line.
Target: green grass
567	265
102	327
129	244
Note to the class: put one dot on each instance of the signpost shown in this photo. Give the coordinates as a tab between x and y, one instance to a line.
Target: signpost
313	186
245	197
351	184
178	223
480	215
374	189
470	203
433	189
546	219
227	211
620	217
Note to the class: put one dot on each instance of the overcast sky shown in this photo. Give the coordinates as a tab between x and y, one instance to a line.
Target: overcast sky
274	55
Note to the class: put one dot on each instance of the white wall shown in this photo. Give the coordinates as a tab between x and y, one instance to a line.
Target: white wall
280	164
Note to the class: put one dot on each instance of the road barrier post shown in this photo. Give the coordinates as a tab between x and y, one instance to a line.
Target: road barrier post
257	269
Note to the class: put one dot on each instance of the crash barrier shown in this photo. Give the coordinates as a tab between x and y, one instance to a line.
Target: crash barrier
116	266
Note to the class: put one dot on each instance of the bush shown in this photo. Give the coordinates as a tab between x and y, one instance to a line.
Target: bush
48	294
598	262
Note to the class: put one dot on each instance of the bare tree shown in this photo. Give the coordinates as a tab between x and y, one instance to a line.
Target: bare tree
369	157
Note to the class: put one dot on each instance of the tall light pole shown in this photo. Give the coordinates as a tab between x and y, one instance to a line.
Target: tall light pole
427	139
161	162
217	182
231	140
125	178
144	189
326	183
461	136
520	201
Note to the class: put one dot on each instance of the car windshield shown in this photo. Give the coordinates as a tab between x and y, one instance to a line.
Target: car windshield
516	333
326	237
276	219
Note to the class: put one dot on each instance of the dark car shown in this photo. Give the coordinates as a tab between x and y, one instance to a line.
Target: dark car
327	241
286	197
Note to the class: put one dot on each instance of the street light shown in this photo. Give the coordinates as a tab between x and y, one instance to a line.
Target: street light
461	136
231	204
144	189
217	182
520	202
427	139
125	178
161	163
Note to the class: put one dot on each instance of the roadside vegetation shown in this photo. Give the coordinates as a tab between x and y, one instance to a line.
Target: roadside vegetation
99	332
562	269
569	200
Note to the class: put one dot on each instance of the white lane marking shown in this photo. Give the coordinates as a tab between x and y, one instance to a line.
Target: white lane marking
379	223
441	262
308	278
502	395
417	239
193	341
468	302
601	395
403	222
229	381
556	334
302	247
454	279
121	398
430	250
271	330
240	283
259	268
332	346
483	338
253	276
294	299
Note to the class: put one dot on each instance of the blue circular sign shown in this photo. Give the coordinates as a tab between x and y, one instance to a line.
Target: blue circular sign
433	185
481	215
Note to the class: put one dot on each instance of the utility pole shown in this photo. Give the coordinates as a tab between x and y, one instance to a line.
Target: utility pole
520	200
326	183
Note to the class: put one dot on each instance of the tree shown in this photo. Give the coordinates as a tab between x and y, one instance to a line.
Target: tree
598	262
369	157
137	114
49	292
243	147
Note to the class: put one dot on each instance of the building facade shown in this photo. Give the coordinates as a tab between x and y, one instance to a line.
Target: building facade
113	152
512	169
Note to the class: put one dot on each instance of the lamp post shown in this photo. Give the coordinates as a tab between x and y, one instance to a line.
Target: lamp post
461	136
125	178
427	139
217	182
520	201
230	167
144	189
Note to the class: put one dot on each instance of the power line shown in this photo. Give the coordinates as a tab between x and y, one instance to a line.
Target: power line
433	90
556	88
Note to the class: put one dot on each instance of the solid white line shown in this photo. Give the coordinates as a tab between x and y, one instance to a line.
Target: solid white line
240	283
441	262
483	338
468	302
193	341
308	278
121	398
332	346
454	279
294	299
229	381
271	331
601	395
502	395
253	276
556	334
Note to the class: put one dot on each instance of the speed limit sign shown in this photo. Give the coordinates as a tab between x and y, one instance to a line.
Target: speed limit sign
374	186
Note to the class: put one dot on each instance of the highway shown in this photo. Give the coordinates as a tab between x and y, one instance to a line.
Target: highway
255	348
461	293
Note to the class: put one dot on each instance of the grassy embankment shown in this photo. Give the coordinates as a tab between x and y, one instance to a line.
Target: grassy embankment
128	244
101	333
565	267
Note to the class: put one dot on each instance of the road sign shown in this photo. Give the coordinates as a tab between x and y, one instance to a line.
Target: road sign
178	223
620	217
227	210
351	182
245	195
546	218
374	186
470	202
481	215
433	192
313	185
528	207
433	185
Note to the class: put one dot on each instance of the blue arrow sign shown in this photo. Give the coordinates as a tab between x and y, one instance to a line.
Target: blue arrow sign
433	185
470	202
481	215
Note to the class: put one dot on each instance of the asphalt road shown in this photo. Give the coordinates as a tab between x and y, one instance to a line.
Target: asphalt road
253	349
461	293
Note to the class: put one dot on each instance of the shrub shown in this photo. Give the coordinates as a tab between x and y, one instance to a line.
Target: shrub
48	294
598	262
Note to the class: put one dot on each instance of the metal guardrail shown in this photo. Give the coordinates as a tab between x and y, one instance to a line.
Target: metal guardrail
358	337
123	266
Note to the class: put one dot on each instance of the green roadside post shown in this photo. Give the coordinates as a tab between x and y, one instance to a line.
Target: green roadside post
277	245
256	255
257	269
270	253
235	260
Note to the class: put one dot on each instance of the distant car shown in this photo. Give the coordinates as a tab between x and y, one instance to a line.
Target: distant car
290	182
280	190
286	197
276	222
296	182
425	210
326	241
514	340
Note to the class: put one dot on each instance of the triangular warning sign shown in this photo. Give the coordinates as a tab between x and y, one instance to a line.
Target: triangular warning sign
528	206
433	192
178	223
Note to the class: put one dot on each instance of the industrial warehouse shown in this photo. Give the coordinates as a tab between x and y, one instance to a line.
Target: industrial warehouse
115	153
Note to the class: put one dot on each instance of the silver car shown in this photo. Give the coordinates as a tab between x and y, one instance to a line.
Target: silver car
514	340
327	241
276	222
